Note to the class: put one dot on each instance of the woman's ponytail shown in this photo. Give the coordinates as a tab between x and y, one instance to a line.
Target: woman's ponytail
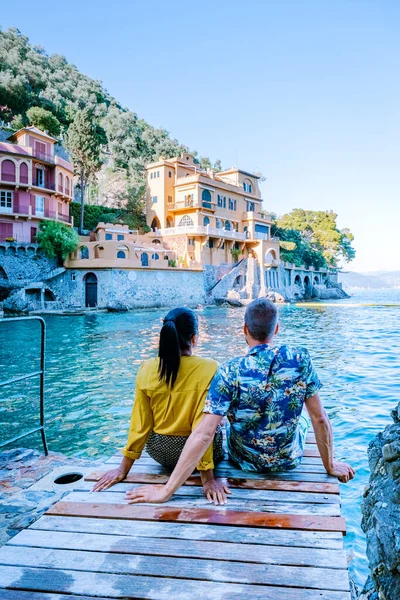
179	327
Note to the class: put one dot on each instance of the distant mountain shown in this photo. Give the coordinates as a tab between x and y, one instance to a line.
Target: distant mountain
361	281
392	278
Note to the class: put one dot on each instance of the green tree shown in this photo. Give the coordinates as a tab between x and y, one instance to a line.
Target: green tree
84	142
44	120
57	239
319	235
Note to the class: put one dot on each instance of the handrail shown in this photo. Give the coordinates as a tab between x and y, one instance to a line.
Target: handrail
40	374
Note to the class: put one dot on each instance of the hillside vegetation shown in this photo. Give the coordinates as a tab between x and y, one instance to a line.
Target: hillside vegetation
47	90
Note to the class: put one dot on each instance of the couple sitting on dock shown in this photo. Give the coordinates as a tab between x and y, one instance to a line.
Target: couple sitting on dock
181	400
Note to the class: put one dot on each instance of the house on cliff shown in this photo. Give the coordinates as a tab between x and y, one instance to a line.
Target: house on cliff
35	184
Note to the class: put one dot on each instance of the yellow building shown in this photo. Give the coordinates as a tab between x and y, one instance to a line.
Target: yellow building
208	218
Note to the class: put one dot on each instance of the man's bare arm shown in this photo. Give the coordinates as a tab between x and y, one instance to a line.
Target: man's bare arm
323	435
197	443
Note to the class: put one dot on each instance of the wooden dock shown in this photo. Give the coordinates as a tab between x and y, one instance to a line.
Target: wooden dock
280	537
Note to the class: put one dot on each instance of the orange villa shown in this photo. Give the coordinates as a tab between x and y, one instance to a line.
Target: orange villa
35	184
209	218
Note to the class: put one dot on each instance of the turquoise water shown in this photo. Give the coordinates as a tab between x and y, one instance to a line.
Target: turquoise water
92	361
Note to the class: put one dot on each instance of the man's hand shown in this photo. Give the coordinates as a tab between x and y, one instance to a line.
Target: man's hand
215	490
342	471
154	494
109	479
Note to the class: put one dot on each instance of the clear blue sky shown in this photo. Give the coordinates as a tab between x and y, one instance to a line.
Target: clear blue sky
305	91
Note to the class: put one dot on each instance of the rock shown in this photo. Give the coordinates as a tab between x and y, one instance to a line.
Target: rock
234	302
381	514
16	303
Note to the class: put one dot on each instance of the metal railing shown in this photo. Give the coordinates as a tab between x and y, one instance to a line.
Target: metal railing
39	374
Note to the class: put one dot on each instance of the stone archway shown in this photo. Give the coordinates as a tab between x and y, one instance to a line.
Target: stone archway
298	281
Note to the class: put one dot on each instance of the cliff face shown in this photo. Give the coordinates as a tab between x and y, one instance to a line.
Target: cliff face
381	513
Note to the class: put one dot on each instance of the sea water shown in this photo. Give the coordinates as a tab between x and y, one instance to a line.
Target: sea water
92	360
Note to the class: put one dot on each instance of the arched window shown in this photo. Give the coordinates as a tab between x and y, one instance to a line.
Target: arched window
8	170
60	182
228	226
270	255
67	186
155	256
23	173
307	281
206	198
83	252
122	252
247	186
206	221
219	224
144	259
186	221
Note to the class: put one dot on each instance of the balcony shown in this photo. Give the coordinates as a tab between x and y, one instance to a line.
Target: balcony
256	216
43	156
21	210
201	230
188	204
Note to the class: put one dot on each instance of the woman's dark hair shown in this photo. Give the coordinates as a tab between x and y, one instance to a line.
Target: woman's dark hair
179	326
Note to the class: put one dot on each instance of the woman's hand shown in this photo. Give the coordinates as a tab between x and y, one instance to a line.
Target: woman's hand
154	494
109	479
216	490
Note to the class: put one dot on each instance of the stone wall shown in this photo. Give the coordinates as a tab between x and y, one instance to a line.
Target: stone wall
21	262
119	288
381	514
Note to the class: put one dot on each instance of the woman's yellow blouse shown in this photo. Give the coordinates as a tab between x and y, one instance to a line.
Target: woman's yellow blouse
170	412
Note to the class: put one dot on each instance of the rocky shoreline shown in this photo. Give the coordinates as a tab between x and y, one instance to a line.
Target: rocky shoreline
381	514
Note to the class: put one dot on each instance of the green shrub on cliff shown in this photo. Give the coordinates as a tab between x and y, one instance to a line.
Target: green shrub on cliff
56	239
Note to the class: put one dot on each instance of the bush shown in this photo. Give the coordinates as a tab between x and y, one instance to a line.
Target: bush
56	239
93	214
44	120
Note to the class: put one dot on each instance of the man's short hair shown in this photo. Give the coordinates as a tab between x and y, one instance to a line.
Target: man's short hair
261	317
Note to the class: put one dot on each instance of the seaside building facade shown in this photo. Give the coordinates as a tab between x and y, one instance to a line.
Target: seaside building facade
35	184
209	218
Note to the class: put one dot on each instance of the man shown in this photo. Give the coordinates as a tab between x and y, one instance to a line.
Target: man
262	395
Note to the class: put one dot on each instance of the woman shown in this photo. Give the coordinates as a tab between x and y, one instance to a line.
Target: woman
169	400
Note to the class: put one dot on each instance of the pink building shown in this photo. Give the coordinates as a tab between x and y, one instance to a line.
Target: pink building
35	184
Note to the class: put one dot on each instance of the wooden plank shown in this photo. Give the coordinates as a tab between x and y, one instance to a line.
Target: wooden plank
187	568
234	482
310	439
21	595
272	555
311	451
237	493
200	515
150	588
311	461
227	467
292	475
192	531
200	502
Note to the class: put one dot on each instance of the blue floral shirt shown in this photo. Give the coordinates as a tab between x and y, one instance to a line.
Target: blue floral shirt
262	394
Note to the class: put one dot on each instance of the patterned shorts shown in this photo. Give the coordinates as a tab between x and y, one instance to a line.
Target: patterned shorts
166	449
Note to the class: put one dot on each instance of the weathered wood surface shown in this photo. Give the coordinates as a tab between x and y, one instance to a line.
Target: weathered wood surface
275	502
149	512
241	492
278	555
278	538
153	588
192	531
168	566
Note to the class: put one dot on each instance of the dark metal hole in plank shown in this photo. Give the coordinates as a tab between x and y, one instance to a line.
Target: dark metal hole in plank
68	478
